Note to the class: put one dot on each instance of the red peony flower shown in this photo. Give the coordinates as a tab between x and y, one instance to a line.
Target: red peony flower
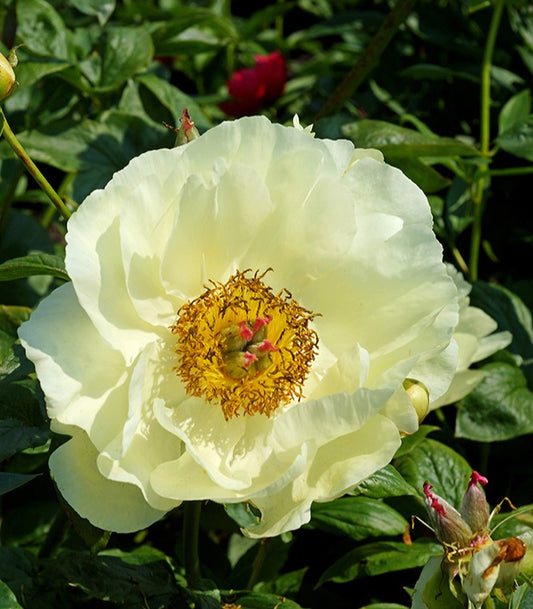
256	87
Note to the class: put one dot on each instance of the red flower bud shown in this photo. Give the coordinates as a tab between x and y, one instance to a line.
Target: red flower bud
256	87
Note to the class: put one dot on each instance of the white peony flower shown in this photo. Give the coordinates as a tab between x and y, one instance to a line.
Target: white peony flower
475	339
243	312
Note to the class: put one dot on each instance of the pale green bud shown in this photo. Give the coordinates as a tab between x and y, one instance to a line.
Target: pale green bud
419	397
7	77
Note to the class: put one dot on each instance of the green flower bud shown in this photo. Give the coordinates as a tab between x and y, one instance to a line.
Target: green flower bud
7	77
448	524
474	508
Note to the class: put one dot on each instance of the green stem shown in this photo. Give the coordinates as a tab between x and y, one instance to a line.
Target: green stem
258	563
368	59
191	529
32	168
479	186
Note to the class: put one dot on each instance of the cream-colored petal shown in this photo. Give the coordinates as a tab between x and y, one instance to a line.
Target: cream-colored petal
115	506
94	263
78	370
215	226
334	470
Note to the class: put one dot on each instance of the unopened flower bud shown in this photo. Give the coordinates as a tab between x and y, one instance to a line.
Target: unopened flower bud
447	523
186	131
419	397
474	508
7	77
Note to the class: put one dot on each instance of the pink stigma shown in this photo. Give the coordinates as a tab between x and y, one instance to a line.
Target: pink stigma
245	332
438	507
475	478
261	321
249	358
266	346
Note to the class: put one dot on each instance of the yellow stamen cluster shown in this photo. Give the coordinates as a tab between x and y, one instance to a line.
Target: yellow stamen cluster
265	328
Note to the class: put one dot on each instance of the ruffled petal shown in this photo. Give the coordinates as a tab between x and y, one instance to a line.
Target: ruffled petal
335	469
115	506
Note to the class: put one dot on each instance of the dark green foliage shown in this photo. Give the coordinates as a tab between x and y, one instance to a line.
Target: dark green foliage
97	82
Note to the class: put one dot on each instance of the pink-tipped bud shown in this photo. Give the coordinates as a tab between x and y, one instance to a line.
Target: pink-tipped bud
474	508
447	523
186	132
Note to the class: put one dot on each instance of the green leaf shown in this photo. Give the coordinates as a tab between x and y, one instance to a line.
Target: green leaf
518	139
134	579
9	481
42	30
517	109
384	606
380	557
12	317
33	264
400	141
288	583
125	51
32	68
22	421
440	465
7	599
409	443
435	72
102	9
18	568
425	177
386	482
95	150
511	314
522	598
358	518
15	436
244	514
174	100
259	600
499	408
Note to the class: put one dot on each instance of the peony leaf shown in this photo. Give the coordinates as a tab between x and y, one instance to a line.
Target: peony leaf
400	141
10	481
386	482
518	139
259	600
33	264
515	110
42	30
125	51
380	557
522	598
18	568
7	599
500	408
358	518
101	9
513	315
440	465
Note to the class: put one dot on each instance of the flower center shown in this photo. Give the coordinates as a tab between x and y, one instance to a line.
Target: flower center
243	347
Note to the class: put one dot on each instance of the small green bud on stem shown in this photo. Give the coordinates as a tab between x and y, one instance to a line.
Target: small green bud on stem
7	77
